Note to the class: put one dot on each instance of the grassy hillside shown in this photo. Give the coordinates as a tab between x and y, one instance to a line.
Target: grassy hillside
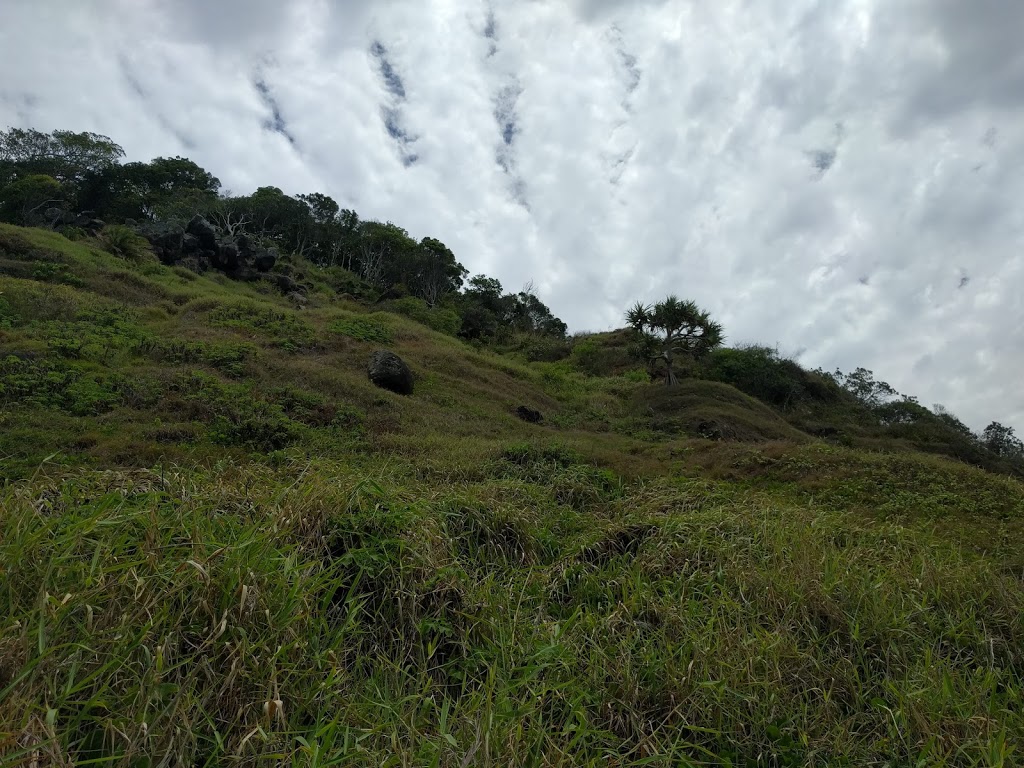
220	544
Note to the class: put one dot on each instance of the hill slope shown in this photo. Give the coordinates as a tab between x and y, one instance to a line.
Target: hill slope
221	544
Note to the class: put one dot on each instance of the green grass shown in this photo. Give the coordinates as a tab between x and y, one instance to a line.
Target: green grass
221	545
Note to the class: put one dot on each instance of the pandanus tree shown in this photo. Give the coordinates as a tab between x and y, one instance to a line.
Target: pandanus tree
673	328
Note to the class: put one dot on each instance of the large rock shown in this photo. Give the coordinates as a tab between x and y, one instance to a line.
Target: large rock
244	246
189	243
265	259
205	231
227	252
388	371
56	216
165	238
285	284
531	415
87	220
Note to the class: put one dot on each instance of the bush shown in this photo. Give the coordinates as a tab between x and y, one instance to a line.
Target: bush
362	329
587	357
286	329
760	372
237	414
124	242
442	320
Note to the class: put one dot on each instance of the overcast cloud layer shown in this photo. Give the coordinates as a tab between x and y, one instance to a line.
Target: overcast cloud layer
842	178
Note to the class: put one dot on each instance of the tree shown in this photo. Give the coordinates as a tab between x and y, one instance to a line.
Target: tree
525	312
1002	441
438	273
166	187
861	384
944	415
24	201
673	327
65	155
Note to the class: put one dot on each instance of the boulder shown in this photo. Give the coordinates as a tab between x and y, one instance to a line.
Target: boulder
388	371
246	274
265	259
164	237
285	284
189	243
244	243
88	221
198	264
205	231
54	215
297	299
227	252
531	415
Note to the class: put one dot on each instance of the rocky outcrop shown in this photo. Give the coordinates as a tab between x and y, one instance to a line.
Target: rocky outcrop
200	246
204	231
388	371
167	240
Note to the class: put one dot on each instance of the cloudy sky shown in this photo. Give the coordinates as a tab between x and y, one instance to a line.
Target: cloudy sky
841	178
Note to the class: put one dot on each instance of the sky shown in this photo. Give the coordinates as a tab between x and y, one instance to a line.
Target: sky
840	179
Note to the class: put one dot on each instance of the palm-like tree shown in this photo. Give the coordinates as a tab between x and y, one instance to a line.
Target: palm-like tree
674	327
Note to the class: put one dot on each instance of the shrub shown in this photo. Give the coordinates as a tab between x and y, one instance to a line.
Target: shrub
587	357
362	329
285	328
760	372
122	241
442	320
237	414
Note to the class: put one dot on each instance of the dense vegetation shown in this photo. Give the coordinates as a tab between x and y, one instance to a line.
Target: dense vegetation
220	543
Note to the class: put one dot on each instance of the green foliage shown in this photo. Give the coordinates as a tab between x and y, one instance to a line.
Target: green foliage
362	329
1002	441
67	156
538	349
124	242
237	414
283	327
586	356
94	334
637	375
862	385
712	411
229	358
671	328
29	382
25	200
762	373
440	319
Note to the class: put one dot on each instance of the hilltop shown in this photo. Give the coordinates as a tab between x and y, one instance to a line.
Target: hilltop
221	543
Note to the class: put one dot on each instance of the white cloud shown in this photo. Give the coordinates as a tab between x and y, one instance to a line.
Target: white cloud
838	177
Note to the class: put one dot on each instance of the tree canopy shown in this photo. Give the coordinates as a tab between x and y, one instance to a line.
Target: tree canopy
673	327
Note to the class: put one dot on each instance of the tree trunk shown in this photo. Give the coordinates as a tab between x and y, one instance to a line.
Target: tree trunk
670	374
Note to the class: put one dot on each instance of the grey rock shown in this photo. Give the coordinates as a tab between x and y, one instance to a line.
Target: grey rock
298	298
228	255
197	264
265	259
286	284
162	236
189	243
245	246
205	231
388	371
